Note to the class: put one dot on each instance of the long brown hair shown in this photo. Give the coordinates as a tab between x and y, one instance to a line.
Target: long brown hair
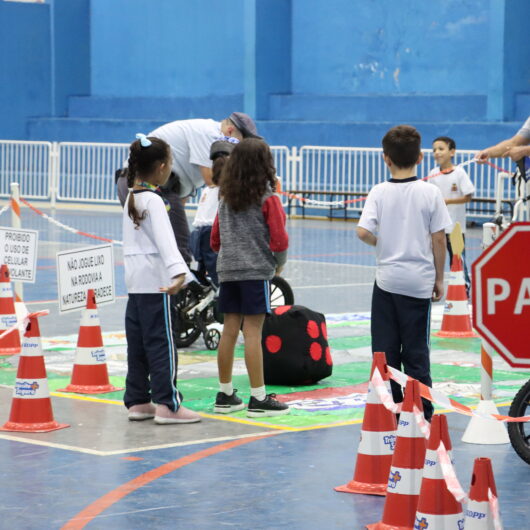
142	162
247	174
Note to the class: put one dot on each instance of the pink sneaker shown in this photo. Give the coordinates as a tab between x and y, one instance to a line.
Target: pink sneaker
165	416
145	411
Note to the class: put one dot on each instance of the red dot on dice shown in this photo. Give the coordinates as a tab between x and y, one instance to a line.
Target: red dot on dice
282	309
324	329
329	360
315	350
312	329
273	343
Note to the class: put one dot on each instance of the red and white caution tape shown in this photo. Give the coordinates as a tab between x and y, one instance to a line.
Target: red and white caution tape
448	403
384	395
5	208
423	424
66	227
23	324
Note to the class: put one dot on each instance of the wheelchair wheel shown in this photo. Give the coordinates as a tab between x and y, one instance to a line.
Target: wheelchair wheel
520	432
185	331
281	292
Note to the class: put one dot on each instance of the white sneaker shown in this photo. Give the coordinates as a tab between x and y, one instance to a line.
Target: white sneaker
144	411
165	416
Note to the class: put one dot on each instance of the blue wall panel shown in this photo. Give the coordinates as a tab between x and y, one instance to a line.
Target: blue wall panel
383	46
166	47
25	66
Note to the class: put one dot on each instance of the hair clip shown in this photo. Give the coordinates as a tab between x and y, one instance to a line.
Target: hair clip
144	141
229	139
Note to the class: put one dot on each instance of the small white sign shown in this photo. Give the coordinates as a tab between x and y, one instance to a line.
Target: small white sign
82	269
18	250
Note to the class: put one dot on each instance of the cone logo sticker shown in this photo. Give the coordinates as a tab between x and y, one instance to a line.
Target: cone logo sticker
8	320
393	479
390	440
475	515
99	355
421	524
26	388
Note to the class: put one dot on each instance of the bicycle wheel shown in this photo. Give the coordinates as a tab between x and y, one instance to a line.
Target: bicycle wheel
185	331
281	292
520	432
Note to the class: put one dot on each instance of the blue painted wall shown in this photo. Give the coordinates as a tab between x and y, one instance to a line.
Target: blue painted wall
166	47
383	46
25	66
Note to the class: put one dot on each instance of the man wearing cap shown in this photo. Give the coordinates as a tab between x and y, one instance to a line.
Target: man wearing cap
190	142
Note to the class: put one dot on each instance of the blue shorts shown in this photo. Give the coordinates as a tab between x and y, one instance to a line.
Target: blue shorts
246	297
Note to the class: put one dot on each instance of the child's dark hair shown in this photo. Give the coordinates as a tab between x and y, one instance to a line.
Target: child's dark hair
219	152
247	174
402	144
446	140
143	161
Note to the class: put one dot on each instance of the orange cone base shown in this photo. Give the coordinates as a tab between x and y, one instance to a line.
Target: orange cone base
363	487
90	389
456	334
383	526
33	427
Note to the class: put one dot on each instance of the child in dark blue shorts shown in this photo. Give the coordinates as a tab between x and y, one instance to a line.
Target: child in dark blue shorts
249	235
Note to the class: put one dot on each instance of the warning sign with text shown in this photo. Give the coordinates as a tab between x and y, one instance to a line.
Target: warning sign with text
18	250
83	269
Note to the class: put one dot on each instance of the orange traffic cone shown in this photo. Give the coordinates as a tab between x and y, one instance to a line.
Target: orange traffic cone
437	507
404	479
10	343
378	436
90	375
31	408
456	321
481	511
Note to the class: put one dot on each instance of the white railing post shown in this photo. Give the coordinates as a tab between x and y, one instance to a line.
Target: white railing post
54	172
16	223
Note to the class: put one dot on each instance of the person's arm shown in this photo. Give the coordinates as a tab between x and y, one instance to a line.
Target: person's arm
518	152
438	250
206	173
460	200
215	237
366	236
274	216
502	149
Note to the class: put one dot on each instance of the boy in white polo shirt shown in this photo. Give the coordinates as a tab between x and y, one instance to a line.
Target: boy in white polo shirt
405	219
457	190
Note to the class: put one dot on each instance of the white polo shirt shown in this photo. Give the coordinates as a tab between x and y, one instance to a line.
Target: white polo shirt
150	254
454	185
207	208
403	214
190	142
525	129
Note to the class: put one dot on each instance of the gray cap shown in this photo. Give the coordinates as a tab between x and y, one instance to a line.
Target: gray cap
245	125
222	147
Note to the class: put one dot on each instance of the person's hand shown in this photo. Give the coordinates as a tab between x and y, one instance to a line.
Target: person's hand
482	157
279	270
175	286
438	291
516	152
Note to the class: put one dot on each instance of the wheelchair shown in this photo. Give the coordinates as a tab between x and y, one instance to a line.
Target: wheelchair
194	309
519	433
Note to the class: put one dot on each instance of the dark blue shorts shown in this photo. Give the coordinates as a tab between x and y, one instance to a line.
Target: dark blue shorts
246	297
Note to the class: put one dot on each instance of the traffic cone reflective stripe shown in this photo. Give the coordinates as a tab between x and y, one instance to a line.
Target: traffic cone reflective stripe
479	514
90	374
456	321
404	480
378	435
437	506
10	344
31	407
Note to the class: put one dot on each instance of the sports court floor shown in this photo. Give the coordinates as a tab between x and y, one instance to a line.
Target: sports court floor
105	472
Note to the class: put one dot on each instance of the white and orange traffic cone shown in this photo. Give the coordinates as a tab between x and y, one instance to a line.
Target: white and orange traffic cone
31	408
406	471
482	510
10	343
378	436
90	374
437	507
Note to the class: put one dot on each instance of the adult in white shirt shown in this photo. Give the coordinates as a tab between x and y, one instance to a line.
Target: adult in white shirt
516	147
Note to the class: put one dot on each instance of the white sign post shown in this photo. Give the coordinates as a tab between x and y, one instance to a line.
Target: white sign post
18	250
82	269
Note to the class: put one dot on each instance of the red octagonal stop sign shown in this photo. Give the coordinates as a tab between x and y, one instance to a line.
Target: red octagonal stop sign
501	295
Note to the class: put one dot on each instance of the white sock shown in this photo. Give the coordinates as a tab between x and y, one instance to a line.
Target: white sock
227	388
259	393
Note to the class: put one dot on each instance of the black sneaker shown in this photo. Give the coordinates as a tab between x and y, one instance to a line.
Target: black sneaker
225	404
268	407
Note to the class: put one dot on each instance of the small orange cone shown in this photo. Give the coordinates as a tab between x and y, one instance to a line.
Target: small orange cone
437	506
378	436
479	514
406	471
456	322
10	344
90	374
31	408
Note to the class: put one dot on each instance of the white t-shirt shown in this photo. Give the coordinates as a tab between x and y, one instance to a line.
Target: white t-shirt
403	214
207	208
190	142
454	185
525	129
150	254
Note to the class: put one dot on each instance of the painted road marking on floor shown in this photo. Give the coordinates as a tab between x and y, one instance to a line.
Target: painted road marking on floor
92	511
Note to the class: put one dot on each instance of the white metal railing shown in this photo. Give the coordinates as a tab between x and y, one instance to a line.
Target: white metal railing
84	172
